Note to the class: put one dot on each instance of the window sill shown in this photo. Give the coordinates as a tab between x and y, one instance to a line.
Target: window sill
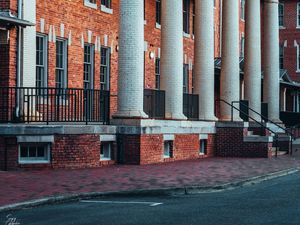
145	22
298	27
282	28
23	162
298	71
202	154
166	157
106	10
105	159
157	26
186	35
90	5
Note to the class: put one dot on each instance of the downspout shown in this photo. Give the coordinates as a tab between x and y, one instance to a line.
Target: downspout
19	56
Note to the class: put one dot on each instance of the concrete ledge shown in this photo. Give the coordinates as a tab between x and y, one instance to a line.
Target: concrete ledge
28	129
258	139
35	139
232	124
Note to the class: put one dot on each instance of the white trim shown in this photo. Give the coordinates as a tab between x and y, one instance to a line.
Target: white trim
103	8
169	137
203	136
89	4
297	18
157	26
186	35
35	139
107	138
102	158
298	52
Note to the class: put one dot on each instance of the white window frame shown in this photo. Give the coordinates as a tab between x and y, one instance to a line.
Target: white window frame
167	149
203	147
298	60
45	59
88	3
242	8
298	15
105	9
65	62
32	160
281	26
104	144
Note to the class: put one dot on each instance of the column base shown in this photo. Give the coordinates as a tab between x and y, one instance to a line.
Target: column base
228	118
175	116
208	118
131	114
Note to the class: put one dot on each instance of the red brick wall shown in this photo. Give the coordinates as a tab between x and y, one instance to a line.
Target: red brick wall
229	143
151	149
186	146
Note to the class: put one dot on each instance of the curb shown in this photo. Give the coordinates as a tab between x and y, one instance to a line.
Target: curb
151	192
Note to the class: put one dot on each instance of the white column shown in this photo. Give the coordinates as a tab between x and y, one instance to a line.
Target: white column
283	99
131	60
252	69
271	58
29	45
204	58
172	57
230	71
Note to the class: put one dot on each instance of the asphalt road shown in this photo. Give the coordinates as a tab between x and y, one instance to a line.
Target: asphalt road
273	202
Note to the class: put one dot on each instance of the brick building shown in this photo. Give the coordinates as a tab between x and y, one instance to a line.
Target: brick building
87	83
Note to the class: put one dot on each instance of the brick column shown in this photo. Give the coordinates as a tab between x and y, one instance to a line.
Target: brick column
204	58
253	57
271	58
131	60
230	71
172	57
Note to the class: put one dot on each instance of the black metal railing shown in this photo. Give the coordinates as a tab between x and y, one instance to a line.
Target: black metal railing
191	106
53	105
154	103
262	122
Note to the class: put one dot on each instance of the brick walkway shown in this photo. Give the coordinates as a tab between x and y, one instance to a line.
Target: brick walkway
21	186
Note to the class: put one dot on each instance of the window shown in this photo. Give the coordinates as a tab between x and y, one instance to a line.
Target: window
281	56
242	15
203	147
186	16
298	14
194	15
105	68
88	64
185	78
105	151
281	14
34	153
106	6
61	64
157	73
158	12
168	149
41	62
242	46
90	3
106	3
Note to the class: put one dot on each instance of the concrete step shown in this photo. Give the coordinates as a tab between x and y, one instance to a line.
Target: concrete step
279	152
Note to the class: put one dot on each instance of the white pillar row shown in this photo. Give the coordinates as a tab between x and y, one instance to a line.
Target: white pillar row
131	60
230	71
271	58
172	57
29	45
252	71
204	58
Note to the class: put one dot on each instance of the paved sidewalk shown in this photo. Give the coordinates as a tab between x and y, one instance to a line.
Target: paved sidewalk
20	186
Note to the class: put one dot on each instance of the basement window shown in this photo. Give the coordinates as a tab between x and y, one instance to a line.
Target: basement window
33	153
168	149
90	3
105	151
203	147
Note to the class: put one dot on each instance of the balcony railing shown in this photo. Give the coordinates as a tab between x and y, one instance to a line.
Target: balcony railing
191	106
53	105
154	103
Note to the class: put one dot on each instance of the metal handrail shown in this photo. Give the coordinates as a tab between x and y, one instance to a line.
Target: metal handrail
260	123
